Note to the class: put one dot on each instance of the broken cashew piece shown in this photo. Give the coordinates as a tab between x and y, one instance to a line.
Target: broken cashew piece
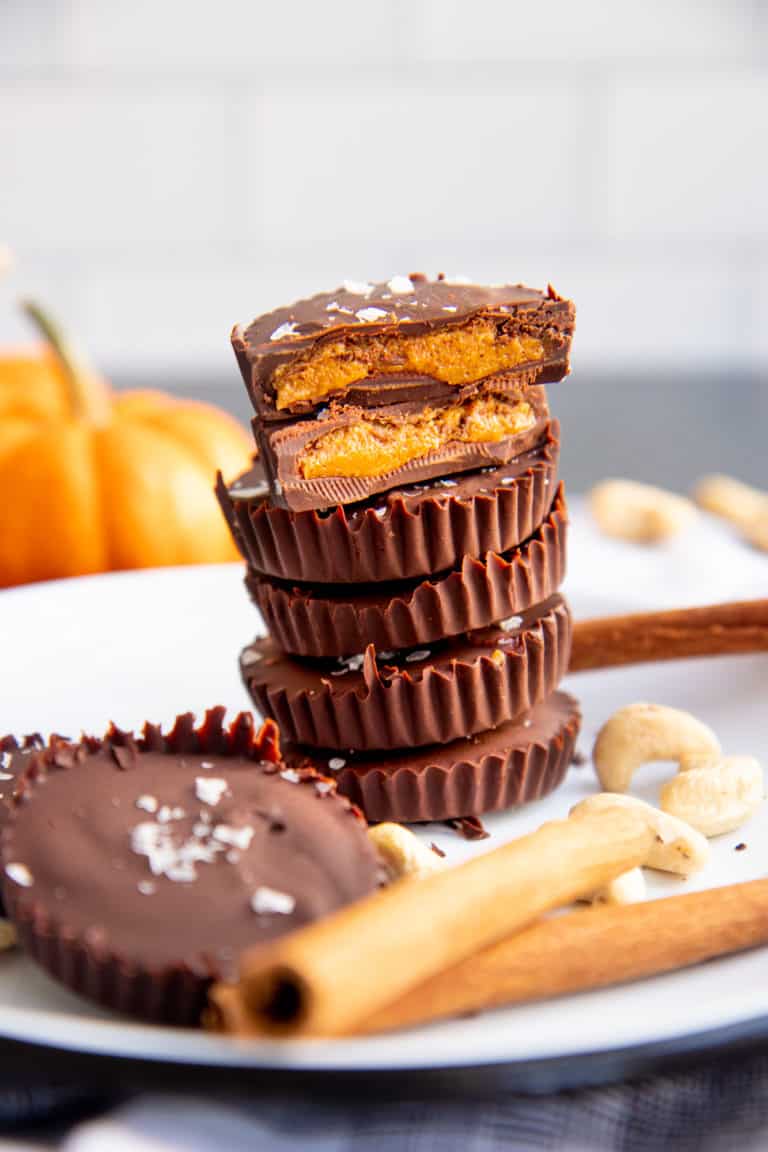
731	499
757	532
676	848
402	853
640	733
628	888
640	512
716	799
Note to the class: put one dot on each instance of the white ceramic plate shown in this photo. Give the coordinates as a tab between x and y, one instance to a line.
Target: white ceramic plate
142	646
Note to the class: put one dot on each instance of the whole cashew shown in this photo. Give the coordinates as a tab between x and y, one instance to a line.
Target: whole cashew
629	888
641	733
730	498
639	512
716	799
402	853
677	847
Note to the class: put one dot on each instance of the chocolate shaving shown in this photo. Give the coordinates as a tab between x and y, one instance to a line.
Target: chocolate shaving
740	847
437	850
470	827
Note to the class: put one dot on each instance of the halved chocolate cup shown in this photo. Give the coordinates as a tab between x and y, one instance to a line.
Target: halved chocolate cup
408	532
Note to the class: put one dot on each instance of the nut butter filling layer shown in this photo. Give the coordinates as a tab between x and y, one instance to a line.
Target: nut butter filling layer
375	445
454	355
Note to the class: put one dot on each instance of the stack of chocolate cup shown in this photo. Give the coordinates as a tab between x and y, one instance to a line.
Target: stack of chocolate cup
405	535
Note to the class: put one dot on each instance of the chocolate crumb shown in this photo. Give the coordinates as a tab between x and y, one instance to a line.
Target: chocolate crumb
470	827
437	850
579	758
740	847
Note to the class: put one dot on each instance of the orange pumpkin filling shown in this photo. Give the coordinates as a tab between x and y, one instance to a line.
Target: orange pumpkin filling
458	356
377	444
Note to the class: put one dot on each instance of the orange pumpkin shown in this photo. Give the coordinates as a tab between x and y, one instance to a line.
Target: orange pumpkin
95	481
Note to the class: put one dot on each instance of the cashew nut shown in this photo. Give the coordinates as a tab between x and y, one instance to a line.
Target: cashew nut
639	512
629	888
402	853
677	847
757	532
716	799
640	733
733	500
7	936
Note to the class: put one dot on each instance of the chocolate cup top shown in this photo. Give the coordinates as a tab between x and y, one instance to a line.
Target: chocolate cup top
501	768
411	531
177	852
341	621
425	696
411	306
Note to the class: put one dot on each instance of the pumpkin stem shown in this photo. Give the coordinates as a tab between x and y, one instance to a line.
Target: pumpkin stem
87	402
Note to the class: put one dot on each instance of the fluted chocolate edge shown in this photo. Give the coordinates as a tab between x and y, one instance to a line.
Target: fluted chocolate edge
479	593
424	703
402	539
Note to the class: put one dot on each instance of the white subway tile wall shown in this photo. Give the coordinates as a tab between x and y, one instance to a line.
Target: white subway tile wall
167	168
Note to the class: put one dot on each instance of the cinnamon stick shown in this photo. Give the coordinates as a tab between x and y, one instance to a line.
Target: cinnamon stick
329	978
590	948
714	630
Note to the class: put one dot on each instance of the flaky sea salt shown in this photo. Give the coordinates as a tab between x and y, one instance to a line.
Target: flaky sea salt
210	789
417	656
511	624
358	287
368	315
266	901
336	763
399	285
287	329
20	874
291	775
147	803
234	837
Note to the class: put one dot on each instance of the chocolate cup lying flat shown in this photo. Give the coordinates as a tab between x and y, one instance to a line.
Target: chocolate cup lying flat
330	622
498	769
375	701
137	870
397	535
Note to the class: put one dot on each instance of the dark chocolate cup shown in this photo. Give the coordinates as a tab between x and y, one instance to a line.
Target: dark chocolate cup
461	687
404	533
171	993
313	622
499	769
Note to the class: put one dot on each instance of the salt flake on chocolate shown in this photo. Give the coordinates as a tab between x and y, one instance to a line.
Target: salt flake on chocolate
511	624
287	329
234	837
368	315
291	775
417	656
20	874
336	763
147	803
5	759
267	901
400	285
210	789
249	656
449	308
6	776
358	287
